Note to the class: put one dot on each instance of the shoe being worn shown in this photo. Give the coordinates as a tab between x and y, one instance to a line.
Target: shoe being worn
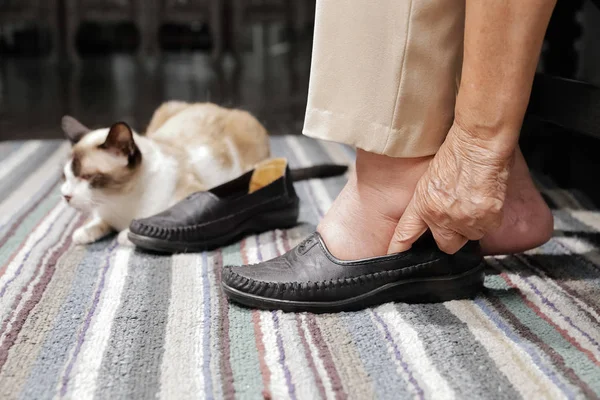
260	200
310	278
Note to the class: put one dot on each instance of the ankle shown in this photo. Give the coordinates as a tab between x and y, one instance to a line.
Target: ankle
361	221
386	183
378	172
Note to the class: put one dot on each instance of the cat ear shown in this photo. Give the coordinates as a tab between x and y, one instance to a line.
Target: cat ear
74	130
119	141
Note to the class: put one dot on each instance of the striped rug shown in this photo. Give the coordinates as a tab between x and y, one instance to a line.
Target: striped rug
107	322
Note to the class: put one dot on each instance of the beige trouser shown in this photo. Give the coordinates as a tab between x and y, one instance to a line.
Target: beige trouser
385	74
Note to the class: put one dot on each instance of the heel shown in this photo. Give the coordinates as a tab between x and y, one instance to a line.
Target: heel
464	286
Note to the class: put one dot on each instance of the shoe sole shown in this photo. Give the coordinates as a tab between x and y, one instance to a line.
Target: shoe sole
433	290
281	219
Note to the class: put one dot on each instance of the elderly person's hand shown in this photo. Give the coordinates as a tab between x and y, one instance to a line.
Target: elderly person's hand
461	195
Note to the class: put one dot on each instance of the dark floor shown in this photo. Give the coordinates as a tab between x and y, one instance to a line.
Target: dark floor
270	81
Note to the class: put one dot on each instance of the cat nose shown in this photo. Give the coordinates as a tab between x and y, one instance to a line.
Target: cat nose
67	198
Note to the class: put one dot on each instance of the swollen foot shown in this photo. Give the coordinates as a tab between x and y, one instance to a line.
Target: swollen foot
527	222
361	221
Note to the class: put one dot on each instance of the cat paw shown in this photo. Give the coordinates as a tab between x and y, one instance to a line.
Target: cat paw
90	232
123	238
84	236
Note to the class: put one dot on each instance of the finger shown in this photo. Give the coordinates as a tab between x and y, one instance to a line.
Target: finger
447	240
410	227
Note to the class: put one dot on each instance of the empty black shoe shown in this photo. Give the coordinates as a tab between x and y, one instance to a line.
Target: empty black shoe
310	278
260	200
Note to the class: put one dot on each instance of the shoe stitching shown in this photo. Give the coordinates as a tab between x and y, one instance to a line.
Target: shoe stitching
318	285
198	226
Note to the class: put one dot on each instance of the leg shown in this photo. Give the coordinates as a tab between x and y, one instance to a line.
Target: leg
394	99
374	200
384	81
384	78
94	230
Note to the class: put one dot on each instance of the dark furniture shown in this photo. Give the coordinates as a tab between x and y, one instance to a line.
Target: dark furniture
43	13
78	11
147	15
191	11
227	19
562	132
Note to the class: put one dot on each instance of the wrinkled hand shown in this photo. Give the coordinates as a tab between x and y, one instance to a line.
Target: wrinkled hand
459	198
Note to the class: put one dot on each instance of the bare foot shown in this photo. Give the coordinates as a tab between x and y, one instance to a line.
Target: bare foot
362	219
527	222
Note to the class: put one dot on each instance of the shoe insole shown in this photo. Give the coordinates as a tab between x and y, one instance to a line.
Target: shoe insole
266	173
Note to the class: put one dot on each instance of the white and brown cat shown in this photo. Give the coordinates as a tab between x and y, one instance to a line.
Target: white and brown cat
117	175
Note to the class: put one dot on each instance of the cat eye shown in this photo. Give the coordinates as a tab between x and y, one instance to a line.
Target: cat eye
85	177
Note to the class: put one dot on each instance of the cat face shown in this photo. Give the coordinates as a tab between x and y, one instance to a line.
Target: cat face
103	162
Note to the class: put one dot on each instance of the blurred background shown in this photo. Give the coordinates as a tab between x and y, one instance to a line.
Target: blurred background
108	60
103	60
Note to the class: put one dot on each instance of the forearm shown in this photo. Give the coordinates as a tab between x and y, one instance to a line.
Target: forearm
503	39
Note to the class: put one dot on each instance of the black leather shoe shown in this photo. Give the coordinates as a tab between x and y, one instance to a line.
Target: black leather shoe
310	278
260	200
